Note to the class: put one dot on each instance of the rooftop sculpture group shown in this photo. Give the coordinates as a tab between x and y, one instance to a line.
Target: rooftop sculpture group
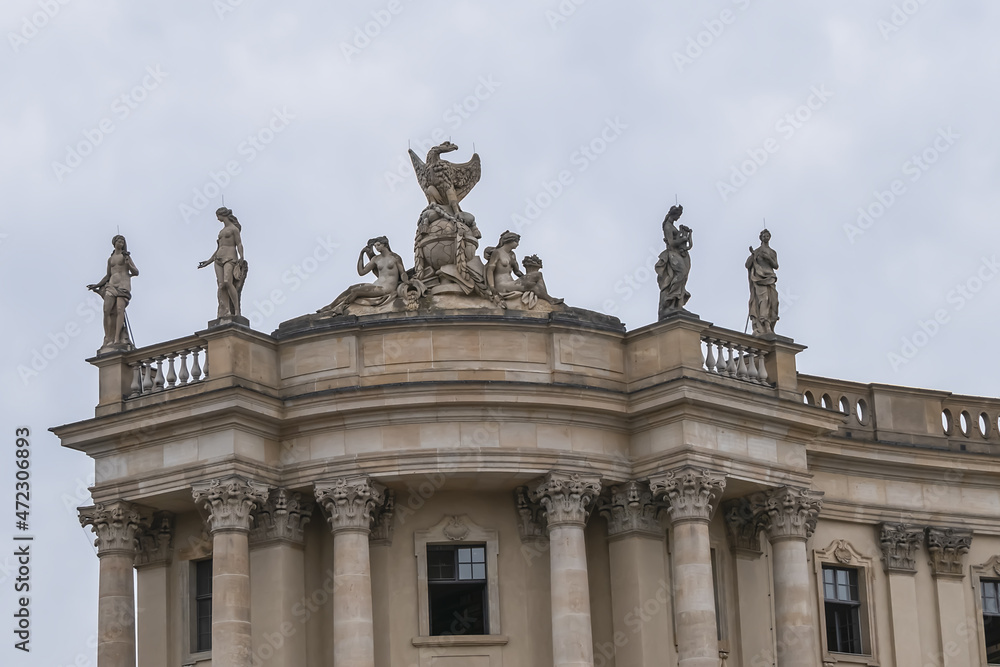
447	274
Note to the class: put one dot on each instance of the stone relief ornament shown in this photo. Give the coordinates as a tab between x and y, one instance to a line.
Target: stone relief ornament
948	548
761	266
230	267
630	508
674	265
899	543
456	530
116	290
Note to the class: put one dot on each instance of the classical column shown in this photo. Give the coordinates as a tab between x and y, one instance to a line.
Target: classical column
353	505
789	515
116	525
565	500
153	594
638	576
277	569
900	543
229	503
948	548
753	591
692	494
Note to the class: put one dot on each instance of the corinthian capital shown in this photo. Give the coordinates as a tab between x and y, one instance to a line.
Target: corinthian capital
229	502
789	512
566	498
156	542
744	521
352	503
281	518
116	525
948	547
630	509
899	544
691	492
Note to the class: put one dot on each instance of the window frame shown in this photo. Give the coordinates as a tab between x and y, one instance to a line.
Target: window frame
842	555
195	599
457	580
458	530
989	571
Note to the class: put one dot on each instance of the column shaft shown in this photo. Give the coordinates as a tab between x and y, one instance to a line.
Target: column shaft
572	637
795	626
116	611
231	640
353	630
694	596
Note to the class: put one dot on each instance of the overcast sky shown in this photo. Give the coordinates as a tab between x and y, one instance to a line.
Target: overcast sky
128	115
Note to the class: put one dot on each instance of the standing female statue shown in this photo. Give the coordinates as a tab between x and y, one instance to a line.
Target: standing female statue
230	265
116	290
674	264
761	267
390	274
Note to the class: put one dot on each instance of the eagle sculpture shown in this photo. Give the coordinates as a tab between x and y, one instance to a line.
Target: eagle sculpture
446	183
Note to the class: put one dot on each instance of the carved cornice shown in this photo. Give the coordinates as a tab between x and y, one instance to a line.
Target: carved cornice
899	543
281	518
530	516
790	512
383	527
229	502
744	521
351	503
691	492
631	510
566	498
156	546
116	525
948	548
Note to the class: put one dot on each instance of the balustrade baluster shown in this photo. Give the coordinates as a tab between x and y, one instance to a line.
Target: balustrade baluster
158	381
741	367
147	376
752	365
720	364
184	376
195	367
171	375
136	387
731	363
762	369
709	357
206	363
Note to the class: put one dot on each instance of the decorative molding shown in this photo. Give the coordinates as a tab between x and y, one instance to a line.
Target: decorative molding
948	548
899	542
116	526
566	498
744	522
351	503
790	512
229	502
156	543
630	509
281	518
691	492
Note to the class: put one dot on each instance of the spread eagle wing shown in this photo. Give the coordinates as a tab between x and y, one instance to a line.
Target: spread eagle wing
465	176
420	168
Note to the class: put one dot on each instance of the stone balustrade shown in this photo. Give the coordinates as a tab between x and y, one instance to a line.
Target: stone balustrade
158	373
735	356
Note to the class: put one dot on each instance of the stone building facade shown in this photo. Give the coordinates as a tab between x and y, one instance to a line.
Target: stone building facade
492	488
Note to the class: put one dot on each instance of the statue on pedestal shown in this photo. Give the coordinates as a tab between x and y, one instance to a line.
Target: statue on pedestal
116	290
674	265
761	266
391	280
230	265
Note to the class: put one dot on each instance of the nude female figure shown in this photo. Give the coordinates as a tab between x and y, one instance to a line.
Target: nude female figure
378	258
230	266
116	289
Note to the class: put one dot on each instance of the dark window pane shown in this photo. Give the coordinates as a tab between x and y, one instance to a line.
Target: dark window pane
457	609
991	597
203	577
203	605
843	628
440	564
992	626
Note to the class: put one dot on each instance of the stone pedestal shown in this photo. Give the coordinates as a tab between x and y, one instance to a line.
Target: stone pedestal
790	515
353	505
565	500
692	494
229	503
277	569
639	580
116	526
